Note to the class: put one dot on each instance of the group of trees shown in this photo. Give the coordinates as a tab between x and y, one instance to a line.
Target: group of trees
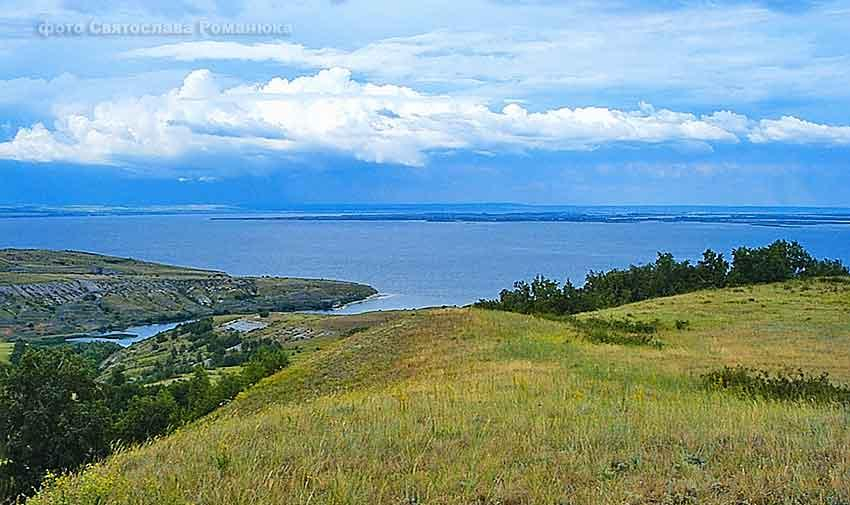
197	342
55	415
776	262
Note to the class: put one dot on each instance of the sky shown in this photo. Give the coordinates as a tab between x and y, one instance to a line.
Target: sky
269	104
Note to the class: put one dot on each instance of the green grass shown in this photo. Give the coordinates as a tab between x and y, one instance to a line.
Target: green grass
463	406
5	351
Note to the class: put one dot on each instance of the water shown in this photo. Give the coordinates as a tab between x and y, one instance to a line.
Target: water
133	334
412	263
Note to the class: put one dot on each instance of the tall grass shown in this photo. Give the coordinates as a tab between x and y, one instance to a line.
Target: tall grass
471	406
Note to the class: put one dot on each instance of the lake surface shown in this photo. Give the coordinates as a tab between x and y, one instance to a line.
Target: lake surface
412	263
129	336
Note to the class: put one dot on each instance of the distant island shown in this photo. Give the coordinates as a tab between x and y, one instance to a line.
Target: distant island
781	216
49	293
749	216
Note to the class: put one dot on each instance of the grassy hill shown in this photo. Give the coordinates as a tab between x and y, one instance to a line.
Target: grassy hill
47	293
460	406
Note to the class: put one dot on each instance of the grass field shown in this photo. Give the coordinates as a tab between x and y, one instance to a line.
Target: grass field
5	351
461	406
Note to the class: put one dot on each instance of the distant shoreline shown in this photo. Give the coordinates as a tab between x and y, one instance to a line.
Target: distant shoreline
370	298
755	219
458	212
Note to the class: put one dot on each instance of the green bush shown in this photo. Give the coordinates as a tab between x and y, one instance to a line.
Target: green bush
795	386
617	331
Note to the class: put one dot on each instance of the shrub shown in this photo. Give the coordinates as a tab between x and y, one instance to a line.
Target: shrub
795	386
617	331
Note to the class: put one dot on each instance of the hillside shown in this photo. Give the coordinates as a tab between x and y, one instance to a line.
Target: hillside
229	342
471	406
44	293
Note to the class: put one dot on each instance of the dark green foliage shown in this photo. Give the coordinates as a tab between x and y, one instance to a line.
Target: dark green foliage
711	270
212	348
147	416
196	396
617	331
17	352
199	327
664	277
94	352
779	261
796	386
223	341
53	416
266	361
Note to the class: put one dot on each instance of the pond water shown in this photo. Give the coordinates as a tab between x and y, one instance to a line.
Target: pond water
129	336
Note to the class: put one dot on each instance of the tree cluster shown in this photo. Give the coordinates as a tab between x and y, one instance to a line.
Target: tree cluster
779	261
54	415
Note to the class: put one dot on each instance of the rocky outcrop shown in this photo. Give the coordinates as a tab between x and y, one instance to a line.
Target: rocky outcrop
202	291
94	297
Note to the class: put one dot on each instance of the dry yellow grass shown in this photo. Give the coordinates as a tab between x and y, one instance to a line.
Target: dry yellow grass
468	406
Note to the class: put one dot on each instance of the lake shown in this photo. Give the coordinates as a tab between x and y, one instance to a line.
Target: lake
128	336
412	263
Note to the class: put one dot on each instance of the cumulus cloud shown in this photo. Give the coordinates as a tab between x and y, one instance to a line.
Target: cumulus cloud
792	130
330	111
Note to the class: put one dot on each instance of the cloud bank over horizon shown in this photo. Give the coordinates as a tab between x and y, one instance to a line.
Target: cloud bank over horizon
496	100
376	123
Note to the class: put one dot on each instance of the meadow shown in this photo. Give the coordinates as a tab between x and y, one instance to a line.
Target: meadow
459	406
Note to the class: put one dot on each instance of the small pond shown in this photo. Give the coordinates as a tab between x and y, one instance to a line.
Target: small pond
128	336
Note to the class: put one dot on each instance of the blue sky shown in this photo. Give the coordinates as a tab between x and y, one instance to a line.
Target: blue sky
534	101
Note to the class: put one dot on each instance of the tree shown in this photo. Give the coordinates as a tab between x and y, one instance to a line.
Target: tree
264	362
712	270
52	417
148	416
776	262
17	352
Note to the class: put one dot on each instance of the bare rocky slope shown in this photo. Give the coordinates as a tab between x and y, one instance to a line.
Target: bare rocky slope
45	293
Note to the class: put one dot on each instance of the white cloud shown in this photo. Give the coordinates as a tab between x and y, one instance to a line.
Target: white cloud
40	145
329	111
792	130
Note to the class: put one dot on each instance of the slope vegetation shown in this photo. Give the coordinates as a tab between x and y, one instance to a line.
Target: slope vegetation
460	406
